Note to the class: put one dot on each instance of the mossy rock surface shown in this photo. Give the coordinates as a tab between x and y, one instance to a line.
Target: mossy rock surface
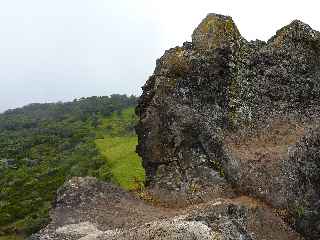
215	31
233	116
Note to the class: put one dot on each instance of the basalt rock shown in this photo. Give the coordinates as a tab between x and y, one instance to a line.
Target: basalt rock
222	111
305	183
87	209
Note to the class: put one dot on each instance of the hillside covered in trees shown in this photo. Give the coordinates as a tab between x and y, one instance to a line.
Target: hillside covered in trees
43	145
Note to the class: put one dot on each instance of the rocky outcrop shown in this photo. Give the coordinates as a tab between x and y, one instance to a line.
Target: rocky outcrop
86	206
87	209
226	116
87	200
305	180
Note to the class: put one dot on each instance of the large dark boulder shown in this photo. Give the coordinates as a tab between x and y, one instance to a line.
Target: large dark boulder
222	112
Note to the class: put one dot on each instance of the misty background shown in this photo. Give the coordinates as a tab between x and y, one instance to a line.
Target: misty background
65	49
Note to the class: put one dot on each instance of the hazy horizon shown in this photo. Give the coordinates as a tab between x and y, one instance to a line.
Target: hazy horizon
61	50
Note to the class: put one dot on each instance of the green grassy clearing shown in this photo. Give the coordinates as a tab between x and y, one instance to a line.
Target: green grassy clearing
117	142
124	163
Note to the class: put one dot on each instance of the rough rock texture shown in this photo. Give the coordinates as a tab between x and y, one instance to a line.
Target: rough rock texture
87	209
88	203
223	111
102	204
305	182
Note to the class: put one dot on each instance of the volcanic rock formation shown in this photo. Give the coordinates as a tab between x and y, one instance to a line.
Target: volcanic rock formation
87	209
229	135
222	116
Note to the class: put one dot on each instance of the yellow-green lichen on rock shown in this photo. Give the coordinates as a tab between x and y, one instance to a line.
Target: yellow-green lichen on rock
215	31
296	31
176	62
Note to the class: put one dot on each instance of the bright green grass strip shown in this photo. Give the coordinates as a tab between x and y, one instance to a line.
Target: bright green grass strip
118	144
125	164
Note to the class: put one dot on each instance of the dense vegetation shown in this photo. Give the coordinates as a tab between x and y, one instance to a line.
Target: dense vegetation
43	145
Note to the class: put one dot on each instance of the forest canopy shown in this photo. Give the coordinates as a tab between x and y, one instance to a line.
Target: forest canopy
43	145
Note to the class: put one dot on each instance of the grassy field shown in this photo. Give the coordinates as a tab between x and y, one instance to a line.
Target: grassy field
125	164
117	142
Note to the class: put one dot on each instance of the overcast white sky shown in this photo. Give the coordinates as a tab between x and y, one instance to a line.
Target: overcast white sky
53	50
